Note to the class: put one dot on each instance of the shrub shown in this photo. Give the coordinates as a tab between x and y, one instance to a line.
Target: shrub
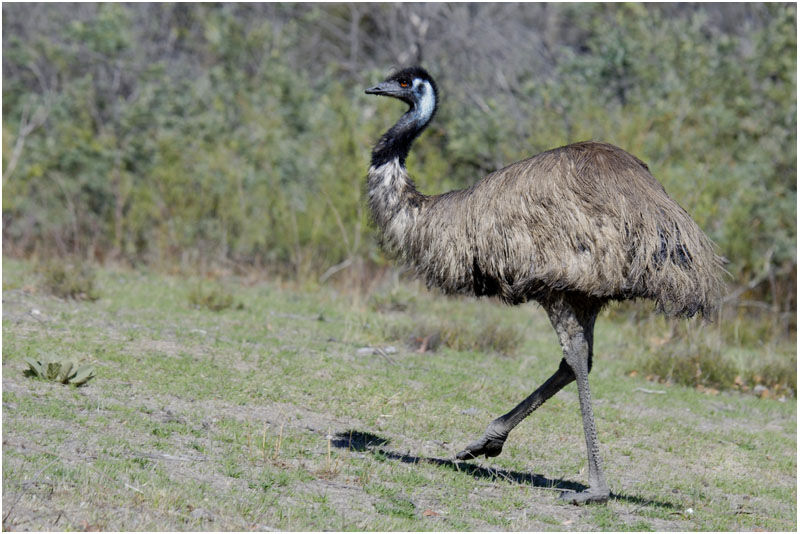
713	356
215	298
491	336
70	279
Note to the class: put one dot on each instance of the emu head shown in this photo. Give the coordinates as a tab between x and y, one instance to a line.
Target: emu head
415	87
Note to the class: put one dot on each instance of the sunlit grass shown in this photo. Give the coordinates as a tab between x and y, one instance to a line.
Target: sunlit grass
232	419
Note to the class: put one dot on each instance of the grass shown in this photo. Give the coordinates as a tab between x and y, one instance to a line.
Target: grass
266	415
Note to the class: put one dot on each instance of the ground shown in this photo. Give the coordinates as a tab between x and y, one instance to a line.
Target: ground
302	408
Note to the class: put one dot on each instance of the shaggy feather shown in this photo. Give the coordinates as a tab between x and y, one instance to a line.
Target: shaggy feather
586	218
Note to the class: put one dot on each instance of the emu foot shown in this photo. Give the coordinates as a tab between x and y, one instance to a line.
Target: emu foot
591	495
491	444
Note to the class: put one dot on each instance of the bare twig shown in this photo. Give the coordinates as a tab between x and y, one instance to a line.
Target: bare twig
278	443
163	456
655	391
767	273
335	269
264	442
133	488
339	221
28	123
383	353
36	316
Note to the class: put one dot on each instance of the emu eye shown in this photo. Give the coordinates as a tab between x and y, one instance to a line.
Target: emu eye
404	84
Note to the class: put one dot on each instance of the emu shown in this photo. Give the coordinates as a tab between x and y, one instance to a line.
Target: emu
572	228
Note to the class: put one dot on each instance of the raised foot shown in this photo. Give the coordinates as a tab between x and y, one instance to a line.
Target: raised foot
487	445
585	497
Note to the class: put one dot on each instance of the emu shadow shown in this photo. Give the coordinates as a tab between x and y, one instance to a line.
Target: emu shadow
357	441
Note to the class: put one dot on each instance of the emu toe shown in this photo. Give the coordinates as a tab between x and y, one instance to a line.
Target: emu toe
588	496
488	446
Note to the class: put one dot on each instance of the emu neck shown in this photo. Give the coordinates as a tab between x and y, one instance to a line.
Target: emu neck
394	203
396	142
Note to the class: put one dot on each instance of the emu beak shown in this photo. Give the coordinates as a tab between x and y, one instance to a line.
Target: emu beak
383	88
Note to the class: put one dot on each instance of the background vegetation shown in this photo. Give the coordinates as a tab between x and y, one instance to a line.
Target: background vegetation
240	133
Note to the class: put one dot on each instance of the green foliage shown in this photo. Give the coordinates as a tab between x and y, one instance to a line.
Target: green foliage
210	137
214	298
64	371
70	279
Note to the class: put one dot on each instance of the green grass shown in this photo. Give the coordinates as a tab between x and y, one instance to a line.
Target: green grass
220	420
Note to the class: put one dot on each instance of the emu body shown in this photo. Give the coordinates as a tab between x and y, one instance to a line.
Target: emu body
571	228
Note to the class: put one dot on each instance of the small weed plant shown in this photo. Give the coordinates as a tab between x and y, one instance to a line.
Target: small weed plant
64	371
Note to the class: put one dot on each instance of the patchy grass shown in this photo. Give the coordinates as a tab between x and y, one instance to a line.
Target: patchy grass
269	417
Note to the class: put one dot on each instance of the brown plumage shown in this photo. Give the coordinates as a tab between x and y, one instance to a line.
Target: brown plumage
587	217
571	228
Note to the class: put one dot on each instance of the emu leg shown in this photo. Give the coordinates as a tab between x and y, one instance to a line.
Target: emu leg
491	444
575	327
598	488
